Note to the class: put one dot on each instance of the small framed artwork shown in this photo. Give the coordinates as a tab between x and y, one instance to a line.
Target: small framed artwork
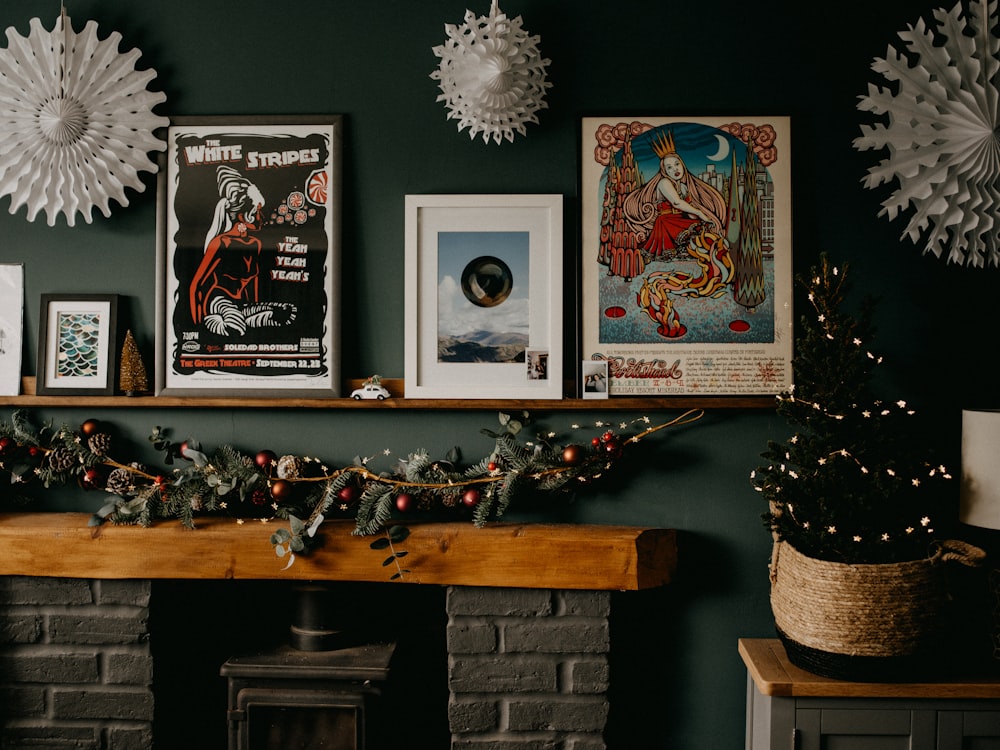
483	296
248	274
77	340
686	266
11	327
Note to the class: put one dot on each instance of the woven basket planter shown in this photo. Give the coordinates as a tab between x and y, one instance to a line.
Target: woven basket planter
877	622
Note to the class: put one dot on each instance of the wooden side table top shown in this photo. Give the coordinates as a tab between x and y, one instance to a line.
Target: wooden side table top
772	673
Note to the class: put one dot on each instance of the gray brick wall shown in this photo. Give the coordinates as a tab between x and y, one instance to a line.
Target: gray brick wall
75	664
528	668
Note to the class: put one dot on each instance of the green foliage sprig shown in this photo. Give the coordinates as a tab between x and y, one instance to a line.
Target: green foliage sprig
855	482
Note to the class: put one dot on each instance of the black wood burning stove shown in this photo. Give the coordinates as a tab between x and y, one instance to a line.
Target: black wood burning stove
319	693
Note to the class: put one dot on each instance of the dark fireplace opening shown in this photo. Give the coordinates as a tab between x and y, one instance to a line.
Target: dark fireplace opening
196	626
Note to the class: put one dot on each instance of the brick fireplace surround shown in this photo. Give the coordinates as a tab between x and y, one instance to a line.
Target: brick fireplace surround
527	608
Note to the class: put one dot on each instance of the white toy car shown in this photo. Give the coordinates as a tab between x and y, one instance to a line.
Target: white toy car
370	391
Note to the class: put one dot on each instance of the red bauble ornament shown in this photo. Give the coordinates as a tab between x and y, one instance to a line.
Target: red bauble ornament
91	478
492	466
470	497
264	459
613	448
347	494
404	502
572	455
595	442
5	443
89	427
281	489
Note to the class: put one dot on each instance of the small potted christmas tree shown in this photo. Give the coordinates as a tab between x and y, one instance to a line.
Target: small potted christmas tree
856	505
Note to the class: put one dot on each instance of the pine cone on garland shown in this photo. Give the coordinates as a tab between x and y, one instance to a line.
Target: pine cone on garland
62	459
289	467
119	482
99	443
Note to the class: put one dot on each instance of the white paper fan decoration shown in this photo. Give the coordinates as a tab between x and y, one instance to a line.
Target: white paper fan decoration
76	121
941	134
492	77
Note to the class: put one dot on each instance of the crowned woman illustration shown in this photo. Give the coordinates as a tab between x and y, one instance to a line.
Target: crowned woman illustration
680	216
666	208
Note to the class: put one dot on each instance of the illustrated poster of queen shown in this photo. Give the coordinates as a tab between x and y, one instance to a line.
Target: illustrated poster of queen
686	254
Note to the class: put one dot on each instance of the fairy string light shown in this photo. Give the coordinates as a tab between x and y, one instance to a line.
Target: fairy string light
855	481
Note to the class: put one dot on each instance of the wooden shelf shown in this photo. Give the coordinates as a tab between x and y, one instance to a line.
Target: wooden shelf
558	556
28	398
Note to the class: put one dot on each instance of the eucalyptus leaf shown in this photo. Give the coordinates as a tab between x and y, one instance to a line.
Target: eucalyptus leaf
398	533
380	543
296	544
401	553
280	536
133	506
280	550
504	419
108	508
388	561
197	457
454	455
297	524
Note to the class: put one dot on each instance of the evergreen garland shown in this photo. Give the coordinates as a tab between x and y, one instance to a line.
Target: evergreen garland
300	489
855	482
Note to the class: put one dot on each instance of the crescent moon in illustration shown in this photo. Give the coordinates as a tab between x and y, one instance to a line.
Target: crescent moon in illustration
723	151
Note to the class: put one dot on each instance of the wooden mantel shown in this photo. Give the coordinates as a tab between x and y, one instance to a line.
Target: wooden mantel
562	556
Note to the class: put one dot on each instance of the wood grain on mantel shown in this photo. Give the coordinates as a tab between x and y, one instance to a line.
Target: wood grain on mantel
559	556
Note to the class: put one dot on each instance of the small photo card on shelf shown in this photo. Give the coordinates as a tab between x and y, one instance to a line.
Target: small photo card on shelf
594	378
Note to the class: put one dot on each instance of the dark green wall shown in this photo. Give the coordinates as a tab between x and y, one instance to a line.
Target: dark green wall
371	62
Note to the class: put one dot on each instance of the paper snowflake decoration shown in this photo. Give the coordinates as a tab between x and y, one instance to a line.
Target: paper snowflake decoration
941	134
76	121
492	77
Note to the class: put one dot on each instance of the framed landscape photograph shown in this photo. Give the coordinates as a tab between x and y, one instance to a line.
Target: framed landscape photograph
11	327
77	344
248	278
483	296
686	264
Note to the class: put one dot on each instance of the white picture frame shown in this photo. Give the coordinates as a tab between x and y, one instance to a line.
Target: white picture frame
462	336
11	327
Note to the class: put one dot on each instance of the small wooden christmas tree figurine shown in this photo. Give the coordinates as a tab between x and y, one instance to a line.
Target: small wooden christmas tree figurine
132	373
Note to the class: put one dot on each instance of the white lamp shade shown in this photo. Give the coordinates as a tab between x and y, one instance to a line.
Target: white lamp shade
980	495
